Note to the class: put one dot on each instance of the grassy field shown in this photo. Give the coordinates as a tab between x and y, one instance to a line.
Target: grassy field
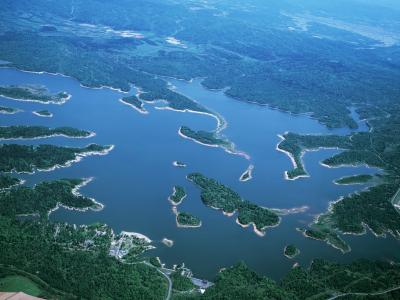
16	283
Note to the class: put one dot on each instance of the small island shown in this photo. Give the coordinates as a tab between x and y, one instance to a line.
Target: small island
43	113
33	93
356	179
178	194
34	132
179	164
167	242
218	196
187	220
8	110
291	251
135	103
247	175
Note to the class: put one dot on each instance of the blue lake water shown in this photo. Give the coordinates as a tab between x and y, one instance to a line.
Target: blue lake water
134	180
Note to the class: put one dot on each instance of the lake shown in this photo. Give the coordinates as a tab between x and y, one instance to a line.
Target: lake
135	179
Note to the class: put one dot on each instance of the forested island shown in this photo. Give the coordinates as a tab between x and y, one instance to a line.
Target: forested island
8	110
178	194
356	179
43	113
187	220
291	251
33	93
218	196
134	102
31	132
28	158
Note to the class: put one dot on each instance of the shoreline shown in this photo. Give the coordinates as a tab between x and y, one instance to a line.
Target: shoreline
97	206
67	164
63	101
91	134
20	182
63	75
256	231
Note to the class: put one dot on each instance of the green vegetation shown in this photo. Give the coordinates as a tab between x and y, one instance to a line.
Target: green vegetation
296	145
16	283
181	283
321	280
38	250
184	219
239	282
44	197
178	195
326	235
204	137
29	132
36	93
22	158
31	246
155	261
291	251
356	179
373	207
43	113
8	110
218	196
7	181
134	101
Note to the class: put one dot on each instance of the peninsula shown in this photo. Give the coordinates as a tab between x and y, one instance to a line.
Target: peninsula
203	137
33	93
135	103
356	179
34	132
27	159
45	197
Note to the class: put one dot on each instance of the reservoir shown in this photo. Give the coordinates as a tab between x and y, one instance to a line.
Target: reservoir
135	179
